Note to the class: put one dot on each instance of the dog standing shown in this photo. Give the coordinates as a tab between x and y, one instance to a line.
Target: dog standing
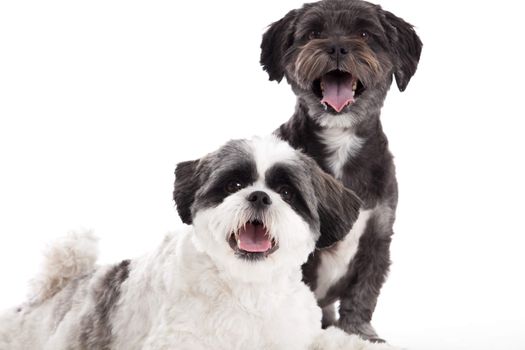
340	56
232	280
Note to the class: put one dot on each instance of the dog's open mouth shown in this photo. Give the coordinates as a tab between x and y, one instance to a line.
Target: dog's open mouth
252	241
337	89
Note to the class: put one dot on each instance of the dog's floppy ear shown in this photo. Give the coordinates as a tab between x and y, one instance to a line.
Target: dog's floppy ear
405	46
338	209
186	184
277	39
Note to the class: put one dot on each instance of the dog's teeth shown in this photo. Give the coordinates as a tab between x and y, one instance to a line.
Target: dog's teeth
237	239
325	106
354	85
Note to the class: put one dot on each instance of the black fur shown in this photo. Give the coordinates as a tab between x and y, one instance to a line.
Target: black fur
378	46
318	198
338	209
276	41
202	182
186	185
96	326
405	45
281	175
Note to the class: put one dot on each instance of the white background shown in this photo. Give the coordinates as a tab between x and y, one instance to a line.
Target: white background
100	99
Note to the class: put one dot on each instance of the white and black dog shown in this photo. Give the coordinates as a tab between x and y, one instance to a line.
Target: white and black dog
231	280
340	57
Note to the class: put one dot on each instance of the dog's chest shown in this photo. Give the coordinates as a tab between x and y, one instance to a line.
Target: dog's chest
258	320
340	145
334	261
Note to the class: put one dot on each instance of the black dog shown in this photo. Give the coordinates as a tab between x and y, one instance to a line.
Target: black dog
340	57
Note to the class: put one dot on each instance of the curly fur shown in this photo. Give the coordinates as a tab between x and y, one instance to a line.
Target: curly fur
67	258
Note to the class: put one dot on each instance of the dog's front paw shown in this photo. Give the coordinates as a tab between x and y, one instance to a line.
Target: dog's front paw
376	340
364	330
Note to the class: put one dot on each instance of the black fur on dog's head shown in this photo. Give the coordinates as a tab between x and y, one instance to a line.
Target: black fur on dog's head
340	55
271	165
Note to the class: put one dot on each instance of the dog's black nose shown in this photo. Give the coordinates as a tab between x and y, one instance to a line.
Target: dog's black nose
336	50
259	199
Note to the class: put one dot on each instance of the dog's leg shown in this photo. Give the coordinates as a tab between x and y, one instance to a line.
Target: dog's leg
369	270
329	317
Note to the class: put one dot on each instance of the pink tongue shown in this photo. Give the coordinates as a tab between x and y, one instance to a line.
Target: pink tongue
337	90
253	239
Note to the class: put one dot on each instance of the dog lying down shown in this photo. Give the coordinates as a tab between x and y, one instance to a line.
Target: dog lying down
231	280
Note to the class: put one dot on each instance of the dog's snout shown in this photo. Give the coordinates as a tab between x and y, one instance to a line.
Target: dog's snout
259	199
337	50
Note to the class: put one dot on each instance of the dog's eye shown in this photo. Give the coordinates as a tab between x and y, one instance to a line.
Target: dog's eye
314	34
365	35
234	186
286	193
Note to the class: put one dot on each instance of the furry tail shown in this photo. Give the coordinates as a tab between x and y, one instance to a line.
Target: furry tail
70	256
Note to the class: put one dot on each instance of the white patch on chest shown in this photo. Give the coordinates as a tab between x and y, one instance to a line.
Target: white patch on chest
341	120
341	144
335	260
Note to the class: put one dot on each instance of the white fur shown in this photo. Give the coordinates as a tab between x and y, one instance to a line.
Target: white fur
215	310
269	150
294	245
341	144
65	259
344	120
178	298
335	260
191	293
334	338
